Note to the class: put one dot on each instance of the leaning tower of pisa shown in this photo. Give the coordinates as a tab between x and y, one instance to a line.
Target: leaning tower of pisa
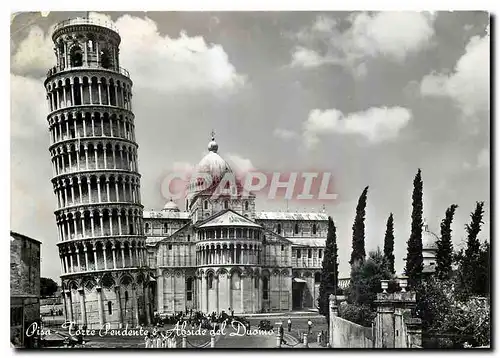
105	279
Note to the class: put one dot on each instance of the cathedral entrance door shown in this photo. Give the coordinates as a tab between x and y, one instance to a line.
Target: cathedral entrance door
297	293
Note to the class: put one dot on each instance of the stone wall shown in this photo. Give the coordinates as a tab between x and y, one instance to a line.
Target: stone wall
345	334
24	266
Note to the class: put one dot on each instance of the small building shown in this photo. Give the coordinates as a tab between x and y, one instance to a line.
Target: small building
24	287
429	249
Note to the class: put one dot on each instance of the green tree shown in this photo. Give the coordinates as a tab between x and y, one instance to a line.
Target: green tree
358	231
365	279
444	253
47	286
330	270
389	244
469	270
414	259
483	279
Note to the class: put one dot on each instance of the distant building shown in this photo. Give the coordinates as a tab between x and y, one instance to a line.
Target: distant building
429	248
221	253
24	287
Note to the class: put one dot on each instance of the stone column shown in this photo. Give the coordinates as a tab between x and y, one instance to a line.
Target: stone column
136	305
70	306
217	293
100	307
242	280
119	299
147	303
160	290
204	293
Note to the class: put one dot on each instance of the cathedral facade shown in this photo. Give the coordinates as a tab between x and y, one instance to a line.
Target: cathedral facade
222	254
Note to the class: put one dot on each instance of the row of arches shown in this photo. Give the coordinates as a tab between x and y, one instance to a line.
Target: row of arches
228	254
229	233
297	229
82	125
93	223
95	256
82	90
97	189
102	155
88	49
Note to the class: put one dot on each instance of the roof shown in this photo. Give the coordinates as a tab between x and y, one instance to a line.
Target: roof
17	235
314	242
278	215
165	214
229	218
170	206
429	239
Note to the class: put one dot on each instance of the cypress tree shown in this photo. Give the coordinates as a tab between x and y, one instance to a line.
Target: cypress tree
358	230
470	262
444	253
414	259
389	245
329	271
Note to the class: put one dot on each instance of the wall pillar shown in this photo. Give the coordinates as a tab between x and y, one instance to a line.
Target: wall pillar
100	307
82	306
159	290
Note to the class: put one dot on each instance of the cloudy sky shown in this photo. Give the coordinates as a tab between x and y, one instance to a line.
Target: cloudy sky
370	97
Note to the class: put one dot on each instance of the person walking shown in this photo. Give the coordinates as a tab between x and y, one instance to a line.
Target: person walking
282	333
289	324
309	326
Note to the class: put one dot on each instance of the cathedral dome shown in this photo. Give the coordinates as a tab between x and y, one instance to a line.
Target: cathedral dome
170	206
429	239
213	164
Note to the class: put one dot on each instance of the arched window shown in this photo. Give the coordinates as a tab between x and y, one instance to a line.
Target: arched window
189	289
317	277
189	238
165	228
235	280
279	229
147	227
205	205
76	57
210	281
226	204
296	229
314	229
265	288
105	58
110	309
246	205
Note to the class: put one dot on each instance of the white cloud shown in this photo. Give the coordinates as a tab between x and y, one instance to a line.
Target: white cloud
285	134
239	164
393	35
35	54
154	61
376	124
173	64
28	107
469	84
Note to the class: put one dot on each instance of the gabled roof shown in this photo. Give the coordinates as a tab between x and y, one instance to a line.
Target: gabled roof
227	217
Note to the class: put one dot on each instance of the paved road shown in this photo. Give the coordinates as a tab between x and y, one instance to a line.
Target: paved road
256	339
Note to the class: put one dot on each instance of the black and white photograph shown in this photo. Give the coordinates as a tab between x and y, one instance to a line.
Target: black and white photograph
250	180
